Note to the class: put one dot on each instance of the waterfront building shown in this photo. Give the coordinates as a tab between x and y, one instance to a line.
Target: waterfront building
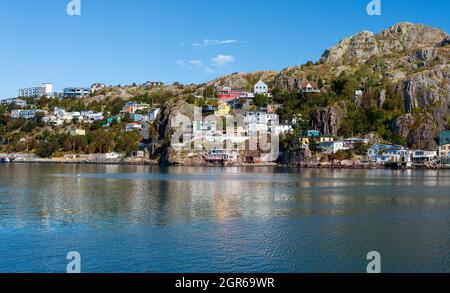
444	137
383	153
331	147
350	142
444	146
221	156
75	92
37	92
420	156
444	151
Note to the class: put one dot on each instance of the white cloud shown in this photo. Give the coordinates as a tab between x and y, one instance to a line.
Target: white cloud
196	62
208	43
195	65
222	60
213	66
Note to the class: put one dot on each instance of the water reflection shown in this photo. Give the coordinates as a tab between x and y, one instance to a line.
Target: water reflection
58	195
259	219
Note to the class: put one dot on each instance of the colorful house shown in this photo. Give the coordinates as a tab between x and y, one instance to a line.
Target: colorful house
444	144
223	109
308	87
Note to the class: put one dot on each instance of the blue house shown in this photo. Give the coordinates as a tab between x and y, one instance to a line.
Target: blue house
311	133
444	137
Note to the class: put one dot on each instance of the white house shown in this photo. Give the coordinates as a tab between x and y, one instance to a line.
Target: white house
25	114
260	117
332	147
261	88
280	129
17	102
420	156
92	116
133	126
351	142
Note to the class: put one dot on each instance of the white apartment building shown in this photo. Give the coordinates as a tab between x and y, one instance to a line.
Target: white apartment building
37	92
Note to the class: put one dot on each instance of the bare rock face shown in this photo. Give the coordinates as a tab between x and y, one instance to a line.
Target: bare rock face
405	36
398	38
160	141
426	54
445	42
428	88
327	120
285	83
381	98
294	157
418	137
360	46
423	137
237	81
196	160
402	125
373	138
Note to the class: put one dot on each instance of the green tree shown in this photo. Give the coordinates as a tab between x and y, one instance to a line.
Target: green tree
261	100
46	148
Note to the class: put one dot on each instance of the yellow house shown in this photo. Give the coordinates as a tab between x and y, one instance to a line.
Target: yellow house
223	109
307	140
444	151
324	139
304	140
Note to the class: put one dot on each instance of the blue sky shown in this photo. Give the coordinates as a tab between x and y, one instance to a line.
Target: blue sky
126	41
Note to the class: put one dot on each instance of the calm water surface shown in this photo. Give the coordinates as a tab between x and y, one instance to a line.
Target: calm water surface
151	219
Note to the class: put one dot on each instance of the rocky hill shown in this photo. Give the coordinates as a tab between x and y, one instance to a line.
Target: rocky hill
403	71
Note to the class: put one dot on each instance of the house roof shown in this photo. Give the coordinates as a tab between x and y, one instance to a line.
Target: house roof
305	83
260	82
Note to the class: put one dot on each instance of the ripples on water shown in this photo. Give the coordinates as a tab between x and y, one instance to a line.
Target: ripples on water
151	219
